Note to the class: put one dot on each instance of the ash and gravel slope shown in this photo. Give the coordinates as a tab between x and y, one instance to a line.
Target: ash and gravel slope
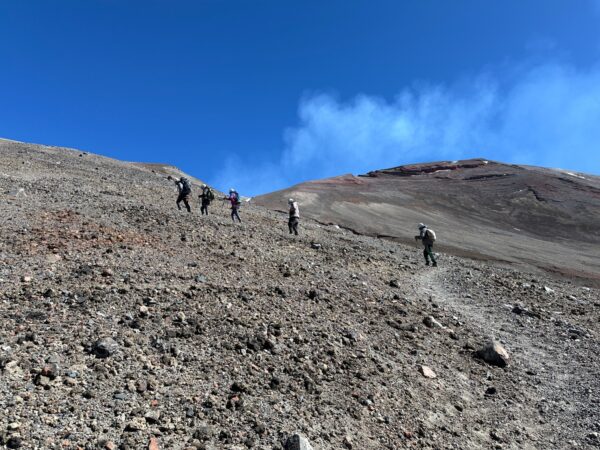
232	337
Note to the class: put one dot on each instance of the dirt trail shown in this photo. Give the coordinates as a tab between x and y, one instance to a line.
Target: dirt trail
558	365
491	318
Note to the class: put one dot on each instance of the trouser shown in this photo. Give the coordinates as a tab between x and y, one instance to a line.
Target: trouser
204	208
234	215
428	253
293	225
185	199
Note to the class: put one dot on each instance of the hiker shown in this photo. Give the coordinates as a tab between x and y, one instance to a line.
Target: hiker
206	198
234	199
184	188
294	216
427	236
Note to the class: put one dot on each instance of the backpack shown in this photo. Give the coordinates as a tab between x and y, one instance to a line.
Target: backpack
210	196
430	234
186	188
237	200
294	210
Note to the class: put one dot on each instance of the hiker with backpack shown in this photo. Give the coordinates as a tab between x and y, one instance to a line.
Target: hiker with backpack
294	219
184	188
206	198
234	199
427	237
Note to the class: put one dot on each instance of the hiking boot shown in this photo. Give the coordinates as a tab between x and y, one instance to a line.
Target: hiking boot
434	264
426	263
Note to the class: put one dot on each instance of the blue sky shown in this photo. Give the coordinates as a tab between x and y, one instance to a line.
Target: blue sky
262	94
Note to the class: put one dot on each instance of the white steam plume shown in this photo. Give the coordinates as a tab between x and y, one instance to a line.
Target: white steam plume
545	115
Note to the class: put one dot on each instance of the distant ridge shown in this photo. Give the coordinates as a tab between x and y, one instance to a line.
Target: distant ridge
534	216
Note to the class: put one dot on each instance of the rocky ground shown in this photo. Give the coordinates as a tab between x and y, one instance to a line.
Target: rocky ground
127	324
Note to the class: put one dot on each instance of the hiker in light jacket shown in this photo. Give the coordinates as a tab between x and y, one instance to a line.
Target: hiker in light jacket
294	219
427	237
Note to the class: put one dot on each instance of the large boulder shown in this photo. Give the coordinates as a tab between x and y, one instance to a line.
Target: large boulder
493	353
297	442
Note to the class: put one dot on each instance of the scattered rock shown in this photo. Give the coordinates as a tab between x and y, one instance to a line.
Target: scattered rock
495	436
152	416
239	387
491	391
136	424
14	442
427	372
203	432
120	396
103	348
348	442
51	371
141	386
520	310
42	380
430	322
49	293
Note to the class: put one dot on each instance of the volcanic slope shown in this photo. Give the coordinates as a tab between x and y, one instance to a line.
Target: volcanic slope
129	324
524	215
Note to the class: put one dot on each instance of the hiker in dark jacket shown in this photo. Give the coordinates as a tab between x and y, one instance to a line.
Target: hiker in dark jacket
427	237
206	197
184	188
234	199
294	219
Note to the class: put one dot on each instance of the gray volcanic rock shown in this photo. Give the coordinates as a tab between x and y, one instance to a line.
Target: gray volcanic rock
103	348
239	335
493	353
297	442
548	218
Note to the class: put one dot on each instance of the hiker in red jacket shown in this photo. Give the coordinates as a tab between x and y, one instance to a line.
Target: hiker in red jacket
234	199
